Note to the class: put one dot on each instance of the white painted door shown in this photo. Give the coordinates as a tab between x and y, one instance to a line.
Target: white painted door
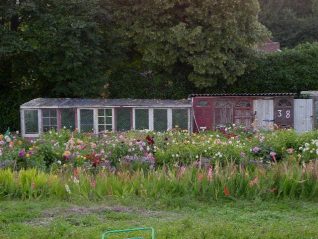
303	116
264	114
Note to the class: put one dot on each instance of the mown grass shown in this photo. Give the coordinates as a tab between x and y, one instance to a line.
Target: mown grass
227	219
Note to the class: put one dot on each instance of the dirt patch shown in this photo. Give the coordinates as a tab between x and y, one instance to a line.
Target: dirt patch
50	214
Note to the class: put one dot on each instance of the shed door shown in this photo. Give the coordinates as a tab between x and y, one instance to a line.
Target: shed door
264	114
223	113
284	112
303	119
243	113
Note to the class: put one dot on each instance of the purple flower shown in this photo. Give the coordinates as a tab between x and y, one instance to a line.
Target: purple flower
22	153
256	149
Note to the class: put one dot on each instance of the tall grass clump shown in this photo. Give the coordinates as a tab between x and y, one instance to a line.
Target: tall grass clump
218	182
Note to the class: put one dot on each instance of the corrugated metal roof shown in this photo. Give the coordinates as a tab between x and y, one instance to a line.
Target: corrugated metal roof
243	94
93	103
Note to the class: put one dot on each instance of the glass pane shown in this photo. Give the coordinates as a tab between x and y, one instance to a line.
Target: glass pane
109	127
101	128
101	120
31	121
46	121
160	119
68	118
53	121
108	112
53	113
87	120
141	119
45	113
101	112
123	119
180	118
108	120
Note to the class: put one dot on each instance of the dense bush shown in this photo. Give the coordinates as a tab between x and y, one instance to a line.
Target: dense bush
291	70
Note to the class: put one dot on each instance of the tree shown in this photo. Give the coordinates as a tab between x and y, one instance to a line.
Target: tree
206	42
291	21
292	70
50	48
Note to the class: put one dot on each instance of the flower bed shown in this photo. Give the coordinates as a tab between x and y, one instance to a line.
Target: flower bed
53	151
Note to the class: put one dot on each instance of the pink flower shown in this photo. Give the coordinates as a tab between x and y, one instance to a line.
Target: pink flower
210	173
290	150
273	155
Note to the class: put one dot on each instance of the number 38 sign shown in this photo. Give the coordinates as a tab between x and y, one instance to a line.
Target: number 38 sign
284	113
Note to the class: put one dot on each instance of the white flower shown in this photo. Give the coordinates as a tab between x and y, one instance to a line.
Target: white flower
75	180
59	162
7	138
67	188
177	155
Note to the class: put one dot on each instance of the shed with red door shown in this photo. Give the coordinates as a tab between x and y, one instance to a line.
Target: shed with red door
264	110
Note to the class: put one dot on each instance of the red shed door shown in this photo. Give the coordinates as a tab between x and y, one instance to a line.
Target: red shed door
284	112
243	113
223	113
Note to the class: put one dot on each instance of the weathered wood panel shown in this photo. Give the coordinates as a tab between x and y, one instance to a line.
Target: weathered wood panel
264	114
303	117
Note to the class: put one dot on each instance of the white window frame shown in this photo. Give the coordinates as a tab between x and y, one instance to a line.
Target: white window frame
95	113
188	116
134	117
57	118
105	117
169	117
22	118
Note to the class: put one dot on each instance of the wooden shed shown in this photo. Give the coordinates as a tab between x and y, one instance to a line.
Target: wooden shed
99	115
212	111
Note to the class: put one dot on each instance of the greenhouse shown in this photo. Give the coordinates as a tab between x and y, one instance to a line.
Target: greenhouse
100	115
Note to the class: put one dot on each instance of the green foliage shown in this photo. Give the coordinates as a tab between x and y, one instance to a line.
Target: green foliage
291	21
291	70
206	42
284	180
45	219
50	49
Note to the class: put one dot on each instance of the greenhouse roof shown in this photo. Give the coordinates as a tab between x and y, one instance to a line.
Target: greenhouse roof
95	103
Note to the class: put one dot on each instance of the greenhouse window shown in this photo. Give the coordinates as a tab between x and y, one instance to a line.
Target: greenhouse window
31	121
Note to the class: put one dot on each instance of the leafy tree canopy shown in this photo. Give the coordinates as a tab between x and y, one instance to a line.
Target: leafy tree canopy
291	21
206	41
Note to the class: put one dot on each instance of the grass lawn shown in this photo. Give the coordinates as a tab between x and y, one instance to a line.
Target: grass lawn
239	219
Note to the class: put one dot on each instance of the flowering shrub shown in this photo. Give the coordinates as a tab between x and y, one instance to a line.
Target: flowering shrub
310	150
133	150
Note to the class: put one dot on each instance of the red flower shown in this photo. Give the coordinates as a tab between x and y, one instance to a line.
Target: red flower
150	140
75	172
226	191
